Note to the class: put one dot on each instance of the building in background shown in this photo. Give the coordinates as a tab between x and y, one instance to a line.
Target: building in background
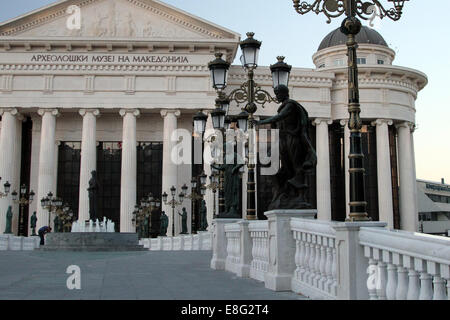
108	96
434	207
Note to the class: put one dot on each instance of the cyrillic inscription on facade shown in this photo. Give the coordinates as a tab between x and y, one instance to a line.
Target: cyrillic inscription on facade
81	58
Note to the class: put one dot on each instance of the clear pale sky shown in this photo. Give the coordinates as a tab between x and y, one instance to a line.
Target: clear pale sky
421	40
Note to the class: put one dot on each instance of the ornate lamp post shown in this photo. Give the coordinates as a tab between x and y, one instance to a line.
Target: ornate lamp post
197	193
143	212
174	203
24	200
351	26
214	186
7	187
251	94
52	204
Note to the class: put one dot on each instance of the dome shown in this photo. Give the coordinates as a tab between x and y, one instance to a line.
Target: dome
366	35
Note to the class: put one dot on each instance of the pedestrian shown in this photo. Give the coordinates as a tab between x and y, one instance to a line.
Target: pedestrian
42	231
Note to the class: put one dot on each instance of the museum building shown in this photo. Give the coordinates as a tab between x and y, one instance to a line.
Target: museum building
108	95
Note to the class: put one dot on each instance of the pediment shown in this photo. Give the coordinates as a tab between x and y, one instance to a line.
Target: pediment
115	19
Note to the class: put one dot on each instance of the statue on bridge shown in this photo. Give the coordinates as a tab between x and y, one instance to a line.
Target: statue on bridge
203	217
9	216
93	195
297	155
33	221
184	229
164	224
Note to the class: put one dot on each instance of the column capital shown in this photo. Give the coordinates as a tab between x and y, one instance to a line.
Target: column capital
165	112
95	112
12	111
380	122
54	112
135	112
406	124
318	121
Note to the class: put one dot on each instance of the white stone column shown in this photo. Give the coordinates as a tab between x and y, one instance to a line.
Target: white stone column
170	170
128	187
88	159
347	165
384	174
408	210
323	169
10	162
46	161
207	168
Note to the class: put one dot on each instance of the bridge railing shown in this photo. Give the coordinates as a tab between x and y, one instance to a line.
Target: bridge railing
334	260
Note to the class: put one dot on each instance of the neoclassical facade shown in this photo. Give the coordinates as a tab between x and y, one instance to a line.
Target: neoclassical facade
107	97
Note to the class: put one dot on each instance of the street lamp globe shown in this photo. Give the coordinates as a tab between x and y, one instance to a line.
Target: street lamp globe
203	190
194	183
280	72
219	71
32	194
181	196
218	118
203	177
250	51
7	186
23	189
14	195
173	190
164	197
200	122
242	120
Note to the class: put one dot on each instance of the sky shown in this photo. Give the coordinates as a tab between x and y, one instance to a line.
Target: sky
421	40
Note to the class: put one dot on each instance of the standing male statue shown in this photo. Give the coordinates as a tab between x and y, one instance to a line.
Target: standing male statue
57	224
297	155
203	217
183	215
164	224
33	221
93	195
9	216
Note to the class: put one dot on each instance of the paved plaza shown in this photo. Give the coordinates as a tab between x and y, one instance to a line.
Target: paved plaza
147	275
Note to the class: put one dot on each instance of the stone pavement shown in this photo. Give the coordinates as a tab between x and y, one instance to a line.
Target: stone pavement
158	275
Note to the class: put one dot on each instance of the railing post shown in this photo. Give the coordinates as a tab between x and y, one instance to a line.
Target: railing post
351	263
282	248
220	243
243	270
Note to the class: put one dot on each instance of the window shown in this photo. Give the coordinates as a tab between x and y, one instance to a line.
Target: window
322	66
379	61
149	169
361	60
339	62
69	157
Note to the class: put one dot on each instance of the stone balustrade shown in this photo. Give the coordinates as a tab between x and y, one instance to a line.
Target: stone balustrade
259	233
14	243
334	260
233	235
315	258
200	241
406	266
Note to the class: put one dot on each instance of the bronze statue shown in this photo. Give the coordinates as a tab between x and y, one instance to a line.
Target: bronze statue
232	185
57	224
93	195
184	229
9	216
164	224
203	217
33	221
297	155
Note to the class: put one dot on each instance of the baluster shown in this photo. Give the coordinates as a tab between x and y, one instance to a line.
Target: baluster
382	274
302	255
426	291
307	256
315	280
297	253
323	262
334	268
329	267
439	292
402	278
312	259
372	287
445	274
391	285
413	279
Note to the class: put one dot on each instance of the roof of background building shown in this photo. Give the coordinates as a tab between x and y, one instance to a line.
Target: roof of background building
366	35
